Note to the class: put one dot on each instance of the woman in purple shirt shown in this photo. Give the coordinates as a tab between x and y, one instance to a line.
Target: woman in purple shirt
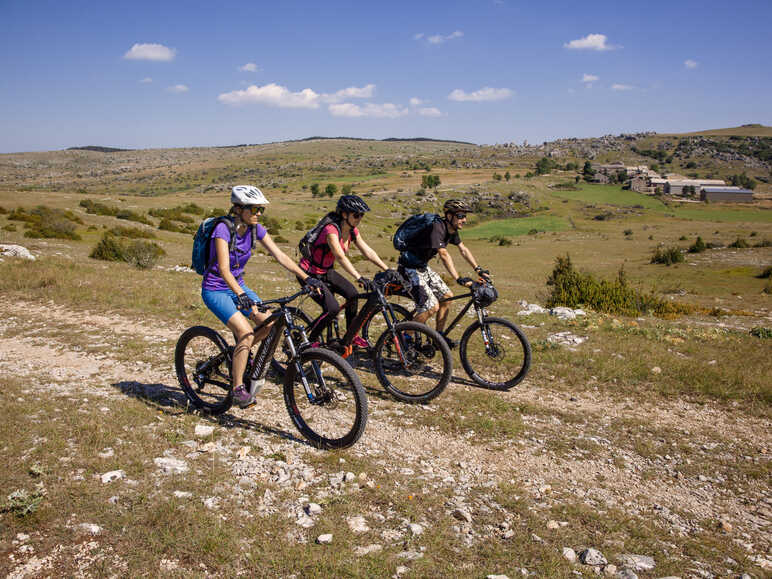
223	289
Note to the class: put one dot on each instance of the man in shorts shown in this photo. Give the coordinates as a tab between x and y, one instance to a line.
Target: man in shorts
427	287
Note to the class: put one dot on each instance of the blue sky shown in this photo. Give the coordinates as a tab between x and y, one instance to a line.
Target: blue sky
174	74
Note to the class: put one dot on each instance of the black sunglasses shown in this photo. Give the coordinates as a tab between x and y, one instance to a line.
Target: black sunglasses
460	215
256	209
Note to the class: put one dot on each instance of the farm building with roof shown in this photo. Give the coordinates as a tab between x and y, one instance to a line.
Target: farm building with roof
726	195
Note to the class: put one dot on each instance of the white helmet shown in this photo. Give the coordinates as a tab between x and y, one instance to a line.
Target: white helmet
247	195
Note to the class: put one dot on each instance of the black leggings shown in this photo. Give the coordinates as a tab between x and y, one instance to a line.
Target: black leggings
333	283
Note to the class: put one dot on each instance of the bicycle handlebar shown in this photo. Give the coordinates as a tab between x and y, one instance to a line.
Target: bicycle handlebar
286	300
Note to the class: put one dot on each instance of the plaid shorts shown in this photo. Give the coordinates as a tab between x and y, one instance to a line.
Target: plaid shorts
426	287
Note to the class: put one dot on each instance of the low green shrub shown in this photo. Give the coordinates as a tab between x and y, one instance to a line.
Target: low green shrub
141	254
667	255
572	289
739	243
698	246
22	503
760	332
95	208
764	243
174	214
167	225
44	222
500	240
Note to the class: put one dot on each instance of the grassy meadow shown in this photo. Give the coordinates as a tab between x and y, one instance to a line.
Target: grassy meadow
650	437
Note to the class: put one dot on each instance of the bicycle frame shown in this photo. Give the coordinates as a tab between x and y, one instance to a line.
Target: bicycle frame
375	301
284	324
479	310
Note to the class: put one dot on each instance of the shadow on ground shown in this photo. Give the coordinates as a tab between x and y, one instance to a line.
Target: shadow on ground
172	400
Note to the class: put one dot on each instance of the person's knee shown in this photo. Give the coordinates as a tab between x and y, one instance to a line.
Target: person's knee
333	308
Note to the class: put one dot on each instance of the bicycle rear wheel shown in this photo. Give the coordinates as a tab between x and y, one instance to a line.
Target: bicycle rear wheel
203	365
413	362
500	364
337	414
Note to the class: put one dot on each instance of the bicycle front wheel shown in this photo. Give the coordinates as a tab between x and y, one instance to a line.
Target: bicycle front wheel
413	362
203	365
496	354
334	415
376	325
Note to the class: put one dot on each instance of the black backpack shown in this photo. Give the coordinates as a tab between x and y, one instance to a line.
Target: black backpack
410	233
306	244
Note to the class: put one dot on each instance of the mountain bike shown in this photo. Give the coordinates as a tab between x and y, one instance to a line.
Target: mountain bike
322	393
411	360
494	352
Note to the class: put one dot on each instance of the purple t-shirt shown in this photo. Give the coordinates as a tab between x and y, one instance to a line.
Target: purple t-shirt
213	280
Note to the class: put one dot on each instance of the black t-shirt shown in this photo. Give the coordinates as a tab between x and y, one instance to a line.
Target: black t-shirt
438	237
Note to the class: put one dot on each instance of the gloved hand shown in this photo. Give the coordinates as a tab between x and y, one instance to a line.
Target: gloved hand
465	281
367	284
483	273
244	301
314	285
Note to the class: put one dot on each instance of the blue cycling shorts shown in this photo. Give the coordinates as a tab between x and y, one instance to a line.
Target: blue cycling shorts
224	303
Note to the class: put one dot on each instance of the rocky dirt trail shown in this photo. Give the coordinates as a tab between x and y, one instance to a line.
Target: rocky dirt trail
573	450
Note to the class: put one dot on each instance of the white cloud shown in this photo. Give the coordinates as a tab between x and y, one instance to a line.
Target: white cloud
617	86
150	52
484	94
249	67
415	102
385	110
689	63
279	96
418	36
272	95
178	88
440	39
590	42
351	92
430	112
146	80
589	78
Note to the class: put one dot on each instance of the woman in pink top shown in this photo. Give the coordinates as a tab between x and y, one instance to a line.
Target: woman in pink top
332	245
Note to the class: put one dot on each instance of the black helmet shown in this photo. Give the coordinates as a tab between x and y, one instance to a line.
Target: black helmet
456	206
485	294
351	204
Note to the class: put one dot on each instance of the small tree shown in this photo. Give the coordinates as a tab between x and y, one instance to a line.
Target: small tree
331	189
496	177
507	176
588	172
346	189
544	166
430	181
314	189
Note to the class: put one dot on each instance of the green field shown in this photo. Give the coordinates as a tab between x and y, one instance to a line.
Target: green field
609	195
515	227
